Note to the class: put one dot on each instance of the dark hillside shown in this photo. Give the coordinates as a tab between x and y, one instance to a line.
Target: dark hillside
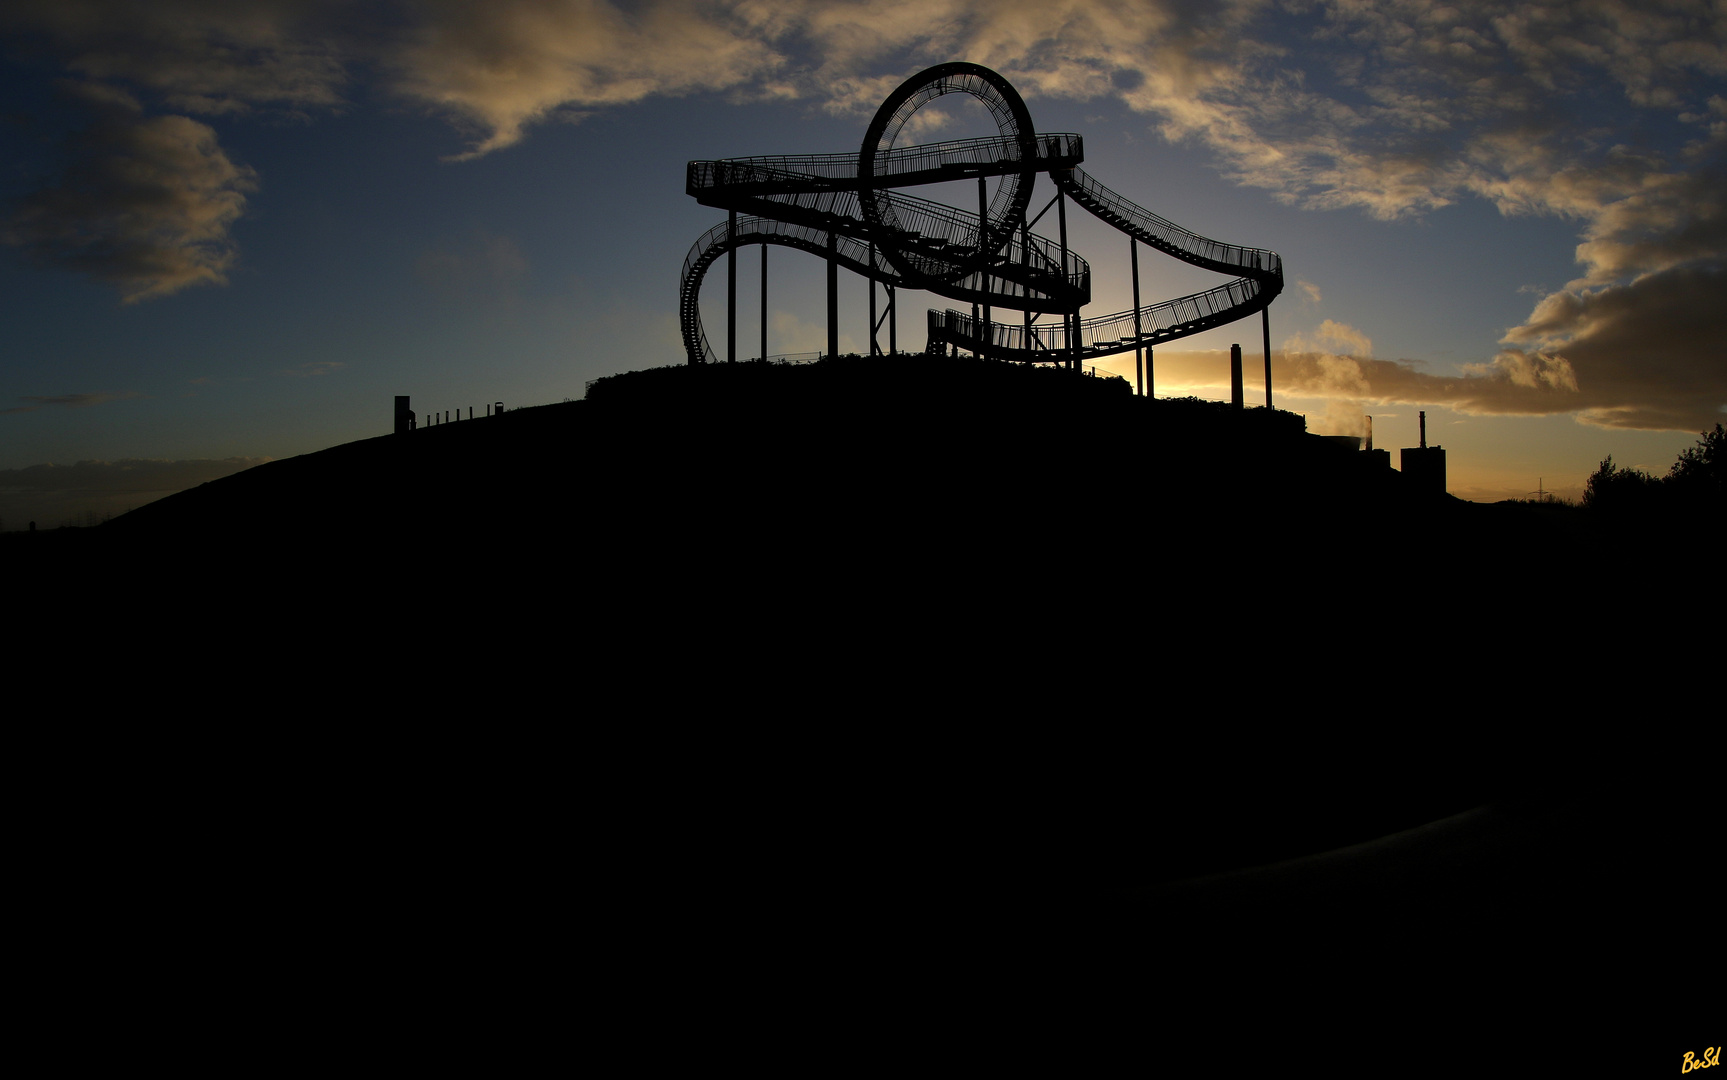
1011	459
908	518
912	667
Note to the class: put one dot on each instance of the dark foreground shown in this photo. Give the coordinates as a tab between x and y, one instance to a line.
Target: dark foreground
803	718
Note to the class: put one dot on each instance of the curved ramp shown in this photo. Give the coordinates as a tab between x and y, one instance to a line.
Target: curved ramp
1152	324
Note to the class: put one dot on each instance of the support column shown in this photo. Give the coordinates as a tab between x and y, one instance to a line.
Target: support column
892	321
732	288
1138	333
1025	288
983	255
874	349
1235	377
1265	323
1069	322
833	295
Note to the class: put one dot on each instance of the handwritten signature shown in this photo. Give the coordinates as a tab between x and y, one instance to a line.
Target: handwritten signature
1711	1056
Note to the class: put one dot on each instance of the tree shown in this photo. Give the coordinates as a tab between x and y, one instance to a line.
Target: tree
1618	489
1697	483
1700	474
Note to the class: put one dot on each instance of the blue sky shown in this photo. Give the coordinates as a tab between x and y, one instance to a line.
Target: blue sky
235	234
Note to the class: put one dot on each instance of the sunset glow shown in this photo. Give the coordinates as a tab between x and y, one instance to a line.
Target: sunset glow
234	234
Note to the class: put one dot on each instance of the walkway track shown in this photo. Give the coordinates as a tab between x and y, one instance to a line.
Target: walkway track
845	207
1166	320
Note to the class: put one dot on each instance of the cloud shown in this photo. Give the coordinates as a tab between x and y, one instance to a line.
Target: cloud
313	368
199	57
127	476
788	334
1651	370
70	401
1640	333
1535	371
483	268
52	494
1646	354
498	67
1344	336
145	203
1310	290
1525	384
1394	109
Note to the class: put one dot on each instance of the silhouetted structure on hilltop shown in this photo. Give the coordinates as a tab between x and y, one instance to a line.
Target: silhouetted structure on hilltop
840	207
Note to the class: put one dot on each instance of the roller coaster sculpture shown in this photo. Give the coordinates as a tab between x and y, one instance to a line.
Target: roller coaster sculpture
846	209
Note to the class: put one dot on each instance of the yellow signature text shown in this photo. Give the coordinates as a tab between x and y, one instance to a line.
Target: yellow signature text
1711	1056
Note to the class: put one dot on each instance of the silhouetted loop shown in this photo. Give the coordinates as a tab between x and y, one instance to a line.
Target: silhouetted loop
1012	196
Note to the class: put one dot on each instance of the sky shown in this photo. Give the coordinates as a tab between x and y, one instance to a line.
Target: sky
233	233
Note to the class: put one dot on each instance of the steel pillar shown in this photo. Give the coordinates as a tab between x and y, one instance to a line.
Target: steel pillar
1025	290
1138	334
892	321
874	349
833	295
1235	377
732	288
983	254
1265	324
1069	322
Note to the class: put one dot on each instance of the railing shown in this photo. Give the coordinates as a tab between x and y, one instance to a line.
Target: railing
1033	282
840	171
1106	334
450	416
1167	234
945	243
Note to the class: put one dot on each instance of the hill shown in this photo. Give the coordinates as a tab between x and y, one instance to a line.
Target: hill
1019	536
1003	456
929	667
909	512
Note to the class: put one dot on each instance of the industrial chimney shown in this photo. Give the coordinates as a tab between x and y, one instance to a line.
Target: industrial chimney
1424	465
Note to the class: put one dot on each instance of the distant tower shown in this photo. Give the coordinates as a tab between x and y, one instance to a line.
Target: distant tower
1376	459
404	415
1425	465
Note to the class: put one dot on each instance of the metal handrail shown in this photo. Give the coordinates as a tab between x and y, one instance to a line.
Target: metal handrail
1106	335
1165	234
947	237
830	171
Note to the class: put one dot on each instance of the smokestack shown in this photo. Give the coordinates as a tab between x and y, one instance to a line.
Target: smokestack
1367	433
1424	431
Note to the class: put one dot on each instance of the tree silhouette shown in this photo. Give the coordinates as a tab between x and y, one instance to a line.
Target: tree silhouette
1618	489
1700	474
1696	483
